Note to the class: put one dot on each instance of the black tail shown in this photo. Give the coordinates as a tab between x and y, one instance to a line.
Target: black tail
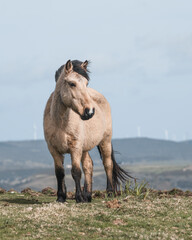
119	174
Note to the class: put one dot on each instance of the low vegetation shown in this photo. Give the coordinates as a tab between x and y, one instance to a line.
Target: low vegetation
136	212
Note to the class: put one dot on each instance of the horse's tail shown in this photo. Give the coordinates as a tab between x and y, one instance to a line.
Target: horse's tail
119	174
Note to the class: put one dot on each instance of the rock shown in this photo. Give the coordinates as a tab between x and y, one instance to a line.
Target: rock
2	191
49	191
26	190
12	191
176	191
30	192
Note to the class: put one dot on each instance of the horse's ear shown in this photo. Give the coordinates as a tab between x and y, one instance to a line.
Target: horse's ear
68	66
84	65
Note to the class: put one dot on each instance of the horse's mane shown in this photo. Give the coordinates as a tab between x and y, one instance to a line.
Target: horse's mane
76	68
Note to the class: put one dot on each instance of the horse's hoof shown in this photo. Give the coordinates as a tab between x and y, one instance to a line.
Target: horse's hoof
79	199
61	198
110	194
87	197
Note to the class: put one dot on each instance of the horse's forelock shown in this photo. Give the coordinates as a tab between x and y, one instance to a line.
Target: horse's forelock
76	68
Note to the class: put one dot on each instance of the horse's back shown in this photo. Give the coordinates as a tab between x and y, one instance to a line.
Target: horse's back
47	121
48	106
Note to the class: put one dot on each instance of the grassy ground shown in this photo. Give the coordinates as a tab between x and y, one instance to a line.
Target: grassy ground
134	215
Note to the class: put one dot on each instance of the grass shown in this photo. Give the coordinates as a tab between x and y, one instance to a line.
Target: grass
130	215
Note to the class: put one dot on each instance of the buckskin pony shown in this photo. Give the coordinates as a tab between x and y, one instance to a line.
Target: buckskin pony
76	119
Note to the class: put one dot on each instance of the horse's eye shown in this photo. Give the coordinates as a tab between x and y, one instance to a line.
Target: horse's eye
72	84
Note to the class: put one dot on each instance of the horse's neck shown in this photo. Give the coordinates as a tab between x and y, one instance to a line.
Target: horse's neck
59	112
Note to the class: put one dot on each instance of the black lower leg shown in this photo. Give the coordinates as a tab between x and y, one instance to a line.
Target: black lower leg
109	189
76	174
61	191
86	194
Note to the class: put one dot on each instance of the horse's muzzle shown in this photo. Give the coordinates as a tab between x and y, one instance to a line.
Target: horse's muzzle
88	113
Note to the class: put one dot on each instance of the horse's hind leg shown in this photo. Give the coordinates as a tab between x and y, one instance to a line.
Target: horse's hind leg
59	172
105	149
87	165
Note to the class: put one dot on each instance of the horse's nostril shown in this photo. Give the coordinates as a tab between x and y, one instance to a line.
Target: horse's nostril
86	111
89	111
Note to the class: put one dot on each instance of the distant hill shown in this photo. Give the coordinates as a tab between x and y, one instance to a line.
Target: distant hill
34	154
29	163
24	155
135	150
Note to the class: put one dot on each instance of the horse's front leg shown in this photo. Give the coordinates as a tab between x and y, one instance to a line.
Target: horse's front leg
59	172
76	174
87	165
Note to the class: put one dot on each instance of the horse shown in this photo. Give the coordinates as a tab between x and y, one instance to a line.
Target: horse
76	119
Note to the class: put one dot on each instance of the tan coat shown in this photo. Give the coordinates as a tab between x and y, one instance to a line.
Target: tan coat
76	119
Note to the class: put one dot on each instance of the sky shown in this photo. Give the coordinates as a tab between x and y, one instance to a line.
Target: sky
141	61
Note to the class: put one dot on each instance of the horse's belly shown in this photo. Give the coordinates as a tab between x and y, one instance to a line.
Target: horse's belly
95	130
91	144
92	139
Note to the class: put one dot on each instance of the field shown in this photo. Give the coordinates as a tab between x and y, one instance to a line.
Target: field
138	213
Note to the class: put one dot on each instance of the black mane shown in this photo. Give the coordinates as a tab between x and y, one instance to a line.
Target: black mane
76	68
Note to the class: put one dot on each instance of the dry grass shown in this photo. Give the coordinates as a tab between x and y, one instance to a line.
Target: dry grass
38	216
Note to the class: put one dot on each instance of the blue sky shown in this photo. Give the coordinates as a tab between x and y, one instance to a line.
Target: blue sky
141	60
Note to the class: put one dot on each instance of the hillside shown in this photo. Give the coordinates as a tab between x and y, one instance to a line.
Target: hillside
34	154
135	150
165	164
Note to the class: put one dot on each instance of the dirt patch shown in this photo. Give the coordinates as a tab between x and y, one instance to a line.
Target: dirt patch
31	192
175	192
70	195
119	221
113	204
